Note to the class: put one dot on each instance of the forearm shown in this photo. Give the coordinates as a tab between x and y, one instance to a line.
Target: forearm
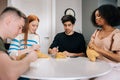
110	55
19	67
78	54
20	52
12	69
27	50
53	51
24	64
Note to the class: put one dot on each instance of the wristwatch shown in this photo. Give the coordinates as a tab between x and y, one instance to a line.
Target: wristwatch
69	11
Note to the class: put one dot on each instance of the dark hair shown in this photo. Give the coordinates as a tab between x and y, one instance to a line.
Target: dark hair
14	10
68	18
110	13
118	8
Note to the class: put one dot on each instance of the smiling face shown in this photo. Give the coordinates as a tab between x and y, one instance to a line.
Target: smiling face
68	27
33	26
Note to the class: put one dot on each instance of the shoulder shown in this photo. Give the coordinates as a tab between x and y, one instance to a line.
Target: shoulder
117	30
33	36
19	37
78	34
116	40
22	34
60	34
95	32
116	34
37	35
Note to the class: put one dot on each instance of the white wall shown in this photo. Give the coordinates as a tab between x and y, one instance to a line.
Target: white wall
61	6
41	8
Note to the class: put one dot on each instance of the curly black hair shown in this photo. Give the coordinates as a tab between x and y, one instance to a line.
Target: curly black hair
110	13
70	18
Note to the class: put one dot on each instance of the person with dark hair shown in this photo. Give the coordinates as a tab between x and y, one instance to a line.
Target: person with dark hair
118	25
11	23
106	40
69	42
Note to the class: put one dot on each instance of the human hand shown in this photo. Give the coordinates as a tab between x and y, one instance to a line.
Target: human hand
35	47
92	54
93	46
68	54
13	57
32	56
54	50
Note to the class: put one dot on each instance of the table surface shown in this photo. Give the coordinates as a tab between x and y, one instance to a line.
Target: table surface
70	68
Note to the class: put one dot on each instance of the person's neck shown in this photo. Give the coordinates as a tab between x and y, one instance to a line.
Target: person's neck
69	33
108	28
30	32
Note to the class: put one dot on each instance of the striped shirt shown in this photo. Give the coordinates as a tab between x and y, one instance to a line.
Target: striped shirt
18	43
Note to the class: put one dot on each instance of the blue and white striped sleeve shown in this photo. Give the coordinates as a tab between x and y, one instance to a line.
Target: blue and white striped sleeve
14	47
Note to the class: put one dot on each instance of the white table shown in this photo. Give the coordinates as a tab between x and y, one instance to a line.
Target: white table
70	68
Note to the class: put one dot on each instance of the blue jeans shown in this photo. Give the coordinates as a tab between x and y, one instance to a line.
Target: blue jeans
22	78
